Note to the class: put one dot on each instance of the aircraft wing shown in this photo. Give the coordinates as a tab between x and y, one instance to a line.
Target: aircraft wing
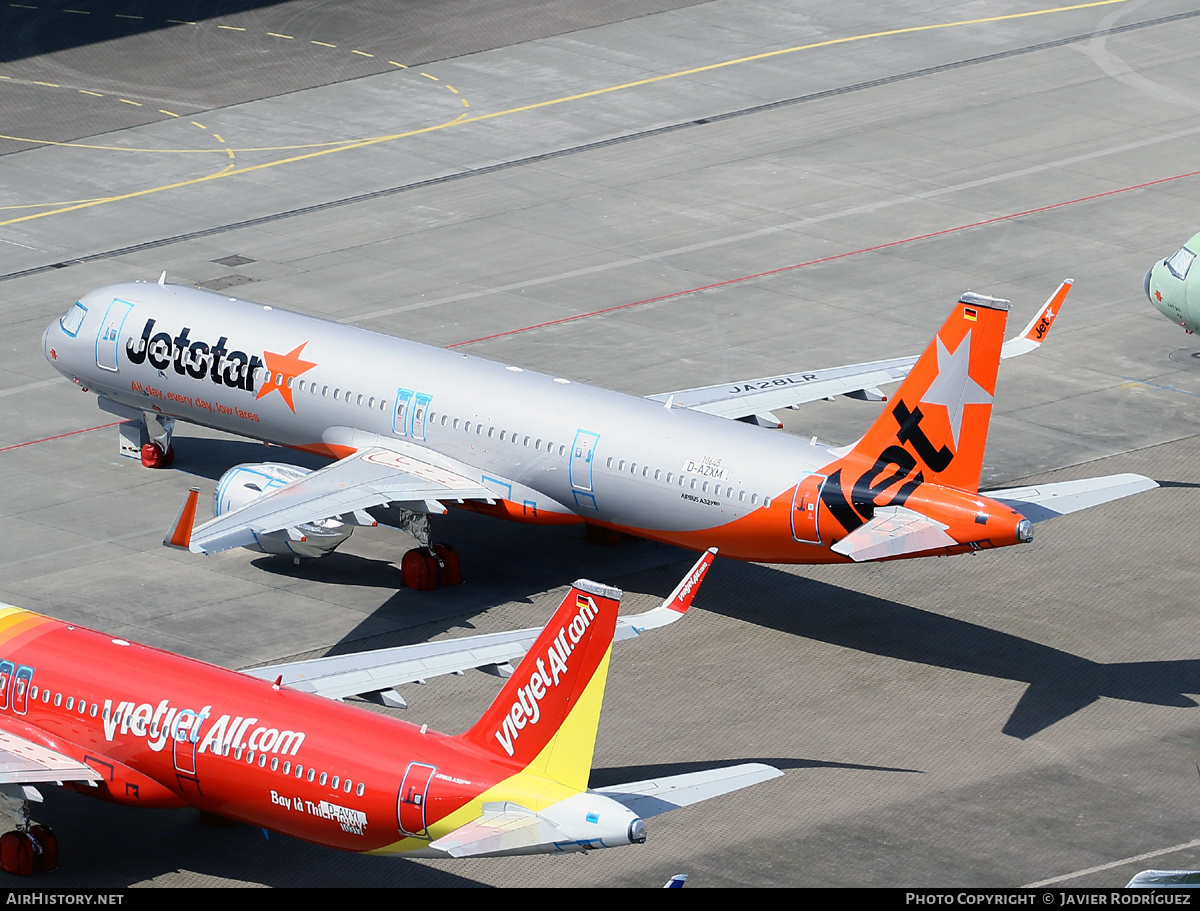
373	476
24	762
753	400
893	530
375	674
1045	501
659	795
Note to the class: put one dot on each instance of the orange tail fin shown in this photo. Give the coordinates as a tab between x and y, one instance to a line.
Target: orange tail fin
545	718
937	422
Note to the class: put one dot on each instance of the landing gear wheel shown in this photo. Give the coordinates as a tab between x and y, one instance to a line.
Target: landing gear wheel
448	572
153	457
419	569
45	839
16	853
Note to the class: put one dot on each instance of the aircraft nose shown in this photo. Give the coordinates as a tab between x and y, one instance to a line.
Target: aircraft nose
1146	284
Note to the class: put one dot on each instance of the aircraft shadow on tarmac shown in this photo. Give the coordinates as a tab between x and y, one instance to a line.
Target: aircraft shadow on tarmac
28	33
617	774
1060	683
106	845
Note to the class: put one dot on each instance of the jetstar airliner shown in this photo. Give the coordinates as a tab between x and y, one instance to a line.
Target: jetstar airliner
144	727
414	428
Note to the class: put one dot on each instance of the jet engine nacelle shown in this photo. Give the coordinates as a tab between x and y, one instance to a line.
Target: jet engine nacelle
243	484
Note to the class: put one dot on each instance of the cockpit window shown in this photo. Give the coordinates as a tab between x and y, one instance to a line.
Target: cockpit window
1181	262
74	319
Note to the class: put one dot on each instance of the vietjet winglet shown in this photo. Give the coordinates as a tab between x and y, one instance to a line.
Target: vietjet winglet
415	430
143	727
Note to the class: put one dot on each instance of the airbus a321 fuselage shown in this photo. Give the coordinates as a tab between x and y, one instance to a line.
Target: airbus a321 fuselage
418	427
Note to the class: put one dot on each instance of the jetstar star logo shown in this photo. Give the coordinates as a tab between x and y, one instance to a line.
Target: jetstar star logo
898	469
953	388
283	370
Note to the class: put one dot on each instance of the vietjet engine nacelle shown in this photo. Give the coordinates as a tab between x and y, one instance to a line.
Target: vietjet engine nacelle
243	484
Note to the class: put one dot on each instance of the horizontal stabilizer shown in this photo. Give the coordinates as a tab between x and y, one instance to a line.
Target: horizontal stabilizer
1045	501
893	531
502	828
362	673
659	795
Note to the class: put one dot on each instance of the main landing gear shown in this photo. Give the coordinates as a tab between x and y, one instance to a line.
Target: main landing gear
425	567
29	846
22	851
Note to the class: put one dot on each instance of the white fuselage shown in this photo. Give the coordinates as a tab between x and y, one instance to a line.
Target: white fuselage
552	450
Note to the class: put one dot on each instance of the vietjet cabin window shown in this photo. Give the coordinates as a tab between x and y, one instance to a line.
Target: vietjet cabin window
73	319
1179	264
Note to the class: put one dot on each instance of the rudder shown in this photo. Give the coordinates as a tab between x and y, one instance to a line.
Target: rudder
937	422
545	718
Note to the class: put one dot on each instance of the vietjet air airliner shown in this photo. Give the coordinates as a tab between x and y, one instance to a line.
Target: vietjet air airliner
143	727
413	428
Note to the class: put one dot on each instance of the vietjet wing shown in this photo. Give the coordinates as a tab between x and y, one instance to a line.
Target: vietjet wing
24	762
1046	501
375	674
373	476
755	399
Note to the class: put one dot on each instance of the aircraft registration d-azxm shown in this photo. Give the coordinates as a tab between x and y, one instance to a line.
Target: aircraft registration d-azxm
143	727
414	428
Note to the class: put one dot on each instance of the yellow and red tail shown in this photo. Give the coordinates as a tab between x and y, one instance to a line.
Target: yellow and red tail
936	424
544	721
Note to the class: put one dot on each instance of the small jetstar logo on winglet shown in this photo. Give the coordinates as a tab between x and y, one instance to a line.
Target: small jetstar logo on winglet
283	370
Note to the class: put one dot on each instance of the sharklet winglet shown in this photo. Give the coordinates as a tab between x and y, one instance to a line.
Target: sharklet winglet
179	535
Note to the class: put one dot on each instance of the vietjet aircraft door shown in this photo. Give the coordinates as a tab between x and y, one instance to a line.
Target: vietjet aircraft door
183	753
414	790
20	697
110	333
806	507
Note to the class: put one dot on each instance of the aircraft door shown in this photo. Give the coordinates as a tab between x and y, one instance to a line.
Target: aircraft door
410	807
20	696
806	507
183	754
419	411
400	417
110	334
583	450
6	682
